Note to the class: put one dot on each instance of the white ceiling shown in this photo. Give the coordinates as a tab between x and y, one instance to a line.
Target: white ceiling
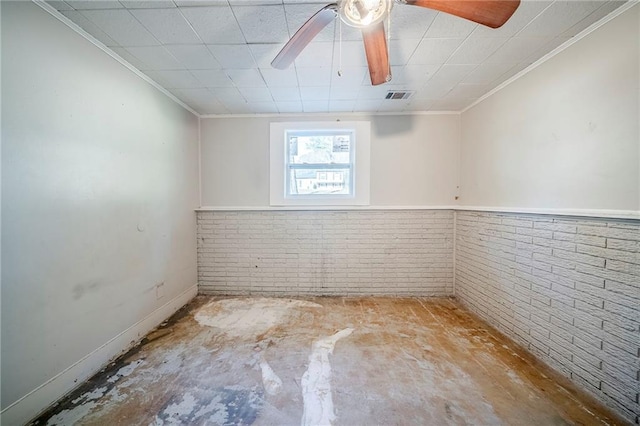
215	55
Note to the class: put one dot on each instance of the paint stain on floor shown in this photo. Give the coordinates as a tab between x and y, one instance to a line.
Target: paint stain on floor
342	361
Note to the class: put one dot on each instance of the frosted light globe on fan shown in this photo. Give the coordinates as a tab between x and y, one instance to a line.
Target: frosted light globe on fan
363	13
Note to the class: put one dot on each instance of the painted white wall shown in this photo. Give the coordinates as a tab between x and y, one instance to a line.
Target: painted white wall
414	159
565	135
99	183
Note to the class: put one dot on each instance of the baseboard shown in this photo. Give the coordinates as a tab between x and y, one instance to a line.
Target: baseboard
39	399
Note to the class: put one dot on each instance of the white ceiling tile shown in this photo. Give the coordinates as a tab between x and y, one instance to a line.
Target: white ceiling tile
318	93
289	106
546	48
213	107
316	76
147	4
559	17
192	95
487	72
342	106
413	75
254	2
449	26
351	77
155	58
202	100
241	80
345	32
434	50
343	93
516	49
246	77
122	27
94	4
525	13
285	94
432	91
352	55
167	25
200	3
468	91
367	105
228	95
256	94
194	56
476	50
393	104
231	98
373	93
315	106
509	73
262	24
237	106
602	11
316	54
401	50
213	78
263	107
280	78
122	52
298	14
79	19
178	79
233	55
450	74
59	5
408	22
420	104
214	24
450	104
265	53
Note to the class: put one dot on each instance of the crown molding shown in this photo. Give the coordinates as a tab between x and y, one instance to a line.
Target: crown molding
59	16
593	27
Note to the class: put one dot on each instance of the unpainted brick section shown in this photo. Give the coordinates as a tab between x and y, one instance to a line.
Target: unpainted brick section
388	252
572	298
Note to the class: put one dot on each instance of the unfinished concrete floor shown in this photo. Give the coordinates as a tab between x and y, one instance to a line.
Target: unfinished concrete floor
317	361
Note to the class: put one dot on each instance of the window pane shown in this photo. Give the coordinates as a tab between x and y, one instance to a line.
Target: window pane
319	181
320	149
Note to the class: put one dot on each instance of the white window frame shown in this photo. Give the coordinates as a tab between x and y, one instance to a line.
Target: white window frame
360	168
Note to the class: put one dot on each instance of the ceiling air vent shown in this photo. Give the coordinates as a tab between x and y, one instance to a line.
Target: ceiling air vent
399	95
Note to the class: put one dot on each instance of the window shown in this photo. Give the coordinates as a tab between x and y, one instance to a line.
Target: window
325	163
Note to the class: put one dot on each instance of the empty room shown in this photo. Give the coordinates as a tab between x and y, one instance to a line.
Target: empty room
292	212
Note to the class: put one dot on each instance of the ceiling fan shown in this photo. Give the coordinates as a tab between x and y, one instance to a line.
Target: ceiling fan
369	15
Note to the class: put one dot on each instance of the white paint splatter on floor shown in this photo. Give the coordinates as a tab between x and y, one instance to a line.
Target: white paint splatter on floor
272	383
316	382
249	317
125	371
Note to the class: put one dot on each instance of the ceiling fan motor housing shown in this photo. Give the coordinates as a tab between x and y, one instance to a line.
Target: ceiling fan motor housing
364	13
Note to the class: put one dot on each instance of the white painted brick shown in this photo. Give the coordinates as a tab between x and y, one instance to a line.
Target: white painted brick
326	252
632	233
561	227
624	245
586	268
581	239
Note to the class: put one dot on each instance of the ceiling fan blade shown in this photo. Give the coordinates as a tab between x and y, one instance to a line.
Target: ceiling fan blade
492	13
304	35
375	46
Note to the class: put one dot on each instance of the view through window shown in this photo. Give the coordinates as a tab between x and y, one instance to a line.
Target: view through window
319	163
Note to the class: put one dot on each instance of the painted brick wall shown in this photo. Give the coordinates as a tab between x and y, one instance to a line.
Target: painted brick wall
390	252
567	289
